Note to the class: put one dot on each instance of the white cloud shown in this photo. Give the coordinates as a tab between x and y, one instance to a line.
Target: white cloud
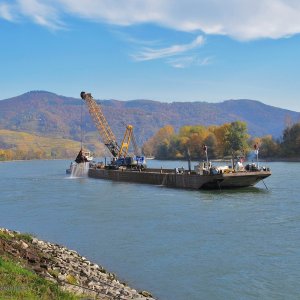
188	61
239	19
5	12
181	62
42	12
150	54
39	11
205	61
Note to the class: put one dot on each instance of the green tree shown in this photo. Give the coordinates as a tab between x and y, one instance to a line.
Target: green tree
291	141
268	147
236	138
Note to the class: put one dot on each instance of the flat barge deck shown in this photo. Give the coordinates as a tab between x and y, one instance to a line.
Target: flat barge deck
184	180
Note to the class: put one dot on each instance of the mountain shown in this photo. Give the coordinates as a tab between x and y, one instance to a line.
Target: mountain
48	114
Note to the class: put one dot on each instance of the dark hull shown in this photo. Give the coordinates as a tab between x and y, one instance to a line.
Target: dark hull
185	181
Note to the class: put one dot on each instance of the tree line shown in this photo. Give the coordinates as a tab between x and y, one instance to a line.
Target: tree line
28	154
223	141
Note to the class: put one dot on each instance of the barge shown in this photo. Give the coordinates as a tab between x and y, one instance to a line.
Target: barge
133	168
212	178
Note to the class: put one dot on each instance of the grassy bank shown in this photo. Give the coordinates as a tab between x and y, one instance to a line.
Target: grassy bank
17	282
34	269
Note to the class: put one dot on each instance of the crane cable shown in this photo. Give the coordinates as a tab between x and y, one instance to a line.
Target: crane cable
81	127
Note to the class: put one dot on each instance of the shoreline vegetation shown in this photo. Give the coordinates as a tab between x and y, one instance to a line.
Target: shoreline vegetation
34	269
295	159
227	140
230	140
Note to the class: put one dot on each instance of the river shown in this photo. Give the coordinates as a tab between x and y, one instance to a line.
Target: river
177	244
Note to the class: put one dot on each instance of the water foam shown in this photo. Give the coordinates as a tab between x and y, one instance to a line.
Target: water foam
80	170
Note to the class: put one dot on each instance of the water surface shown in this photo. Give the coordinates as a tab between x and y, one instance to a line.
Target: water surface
177	244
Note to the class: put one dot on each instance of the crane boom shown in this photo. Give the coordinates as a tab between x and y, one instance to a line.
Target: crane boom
105	131
126	141
109	139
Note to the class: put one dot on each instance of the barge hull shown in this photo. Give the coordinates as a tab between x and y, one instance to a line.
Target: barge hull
184	180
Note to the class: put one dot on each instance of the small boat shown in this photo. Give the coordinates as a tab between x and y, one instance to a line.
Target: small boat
150	157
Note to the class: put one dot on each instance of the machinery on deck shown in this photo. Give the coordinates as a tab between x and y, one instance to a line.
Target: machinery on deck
119	153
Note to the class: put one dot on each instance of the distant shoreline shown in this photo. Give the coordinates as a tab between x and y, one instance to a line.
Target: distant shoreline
282	160
217	159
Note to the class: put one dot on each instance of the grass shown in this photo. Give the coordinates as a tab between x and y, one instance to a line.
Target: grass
25	236
5	236
18	283
21	236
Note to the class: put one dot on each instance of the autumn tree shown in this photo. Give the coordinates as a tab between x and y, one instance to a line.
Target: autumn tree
229	139
194	137
211	143
158	145
220	135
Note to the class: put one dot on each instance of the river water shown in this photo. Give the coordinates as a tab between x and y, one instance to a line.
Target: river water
177	244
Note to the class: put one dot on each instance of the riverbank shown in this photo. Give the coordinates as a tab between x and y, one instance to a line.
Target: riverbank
63	267
265	159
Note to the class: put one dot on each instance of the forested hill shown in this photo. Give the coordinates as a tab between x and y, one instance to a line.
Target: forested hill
46	113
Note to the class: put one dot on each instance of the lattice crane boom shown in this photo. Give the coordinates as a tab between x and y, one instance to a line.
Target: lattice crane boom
104	130
126	141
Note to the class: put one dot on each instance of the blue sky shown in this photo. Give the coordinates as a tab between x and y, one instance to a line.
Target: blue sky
166	50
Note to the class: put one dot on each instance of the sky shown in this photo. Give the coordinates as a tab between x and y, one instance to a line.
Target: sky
165	50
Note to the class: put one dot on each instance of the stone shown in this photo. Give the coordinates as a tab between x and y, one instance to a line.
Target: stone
37	269
44	266
34	241
54	261
23	245
61	277
146	294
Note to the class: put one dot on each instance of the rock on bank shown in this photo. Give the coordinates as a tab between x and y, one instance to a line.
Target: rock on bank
70	270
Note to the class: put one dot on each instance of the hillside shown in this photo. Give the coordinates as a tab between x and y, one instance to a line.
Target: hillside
48	114
23	145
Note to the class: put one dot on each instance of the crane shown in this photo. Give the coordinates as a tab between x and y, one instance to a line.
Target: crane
105	131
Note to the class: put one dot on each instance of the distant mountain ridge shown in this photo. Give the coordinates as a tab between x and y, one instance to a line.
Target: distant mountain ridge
49	114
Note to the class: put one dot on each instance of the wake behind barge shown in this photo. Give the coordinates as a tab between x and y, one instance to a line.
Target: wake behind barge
182	179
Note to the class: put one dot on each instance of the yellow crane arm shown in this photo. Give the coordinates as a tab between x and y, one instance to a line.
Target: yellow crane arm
126	141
